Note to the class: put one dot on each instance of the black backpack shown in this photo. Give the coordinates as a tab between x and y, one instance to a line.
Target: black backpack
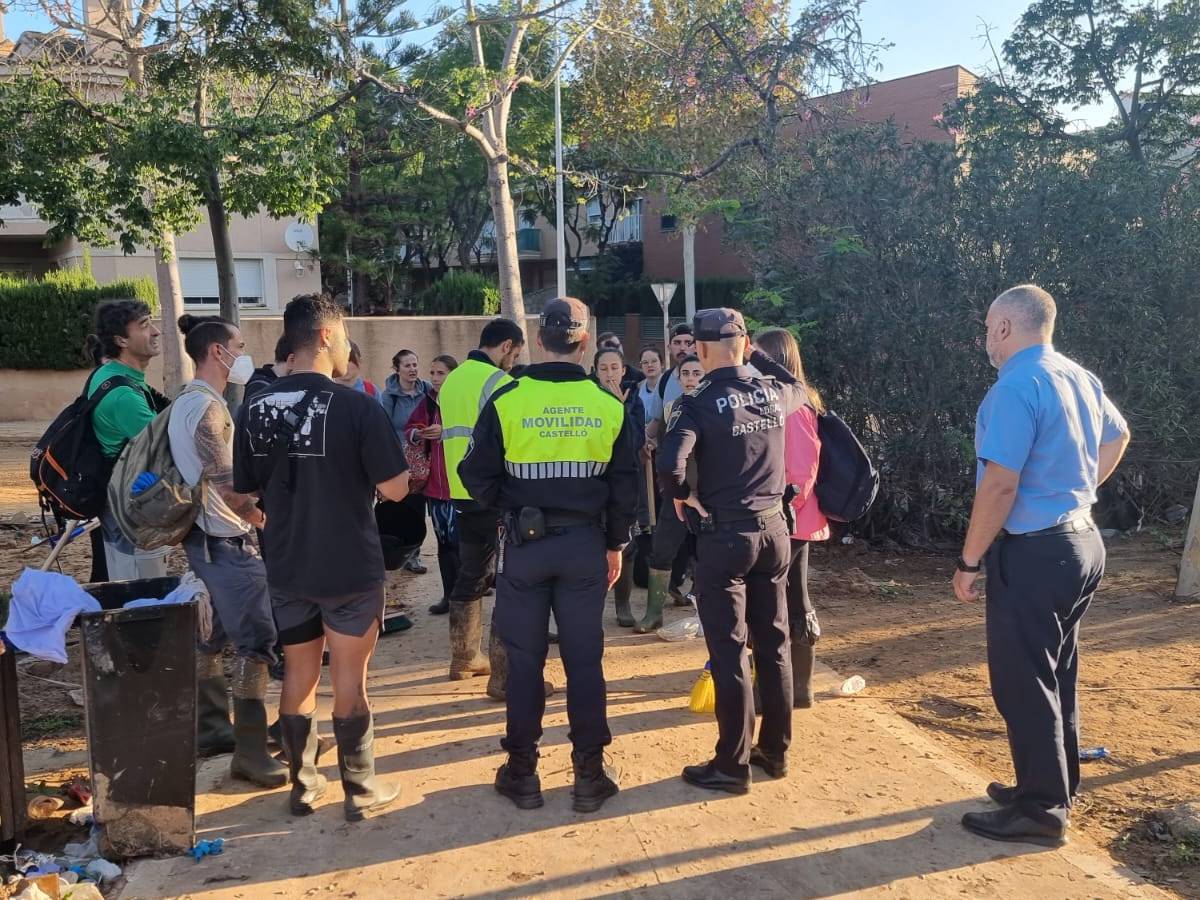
68	465
847	482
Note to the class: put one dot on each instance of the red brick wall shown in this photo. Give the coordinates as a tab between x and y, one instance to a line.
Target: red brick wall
913	102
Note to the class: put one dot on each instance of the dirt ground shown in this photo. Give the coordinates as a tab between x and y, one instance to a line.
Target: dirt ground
842	821
892	619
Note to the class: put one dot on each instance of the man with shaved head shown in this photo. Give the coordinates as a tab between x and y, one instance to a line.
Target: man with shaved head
1046	438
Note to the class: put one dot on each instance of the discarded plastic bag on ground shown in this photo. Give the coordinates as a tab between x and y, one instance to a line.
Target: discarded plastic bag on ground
683	630
852	685
103	871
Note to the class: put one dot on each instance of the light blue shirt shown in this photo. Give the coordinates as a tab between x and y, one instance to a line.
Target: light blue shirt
651	404
656	404
1046	417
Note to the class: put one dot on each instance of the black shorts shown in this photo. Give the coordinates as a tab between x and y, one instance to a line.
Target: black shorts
301	618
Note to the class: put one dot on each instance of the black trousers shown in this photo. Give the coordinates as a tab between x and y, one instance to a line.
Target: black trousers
477	536
1038	589
741	571
799	603
566	573
671	547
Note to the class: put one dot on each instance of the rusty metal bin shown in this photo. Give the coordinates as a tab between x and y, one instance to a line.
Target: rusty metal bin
139	677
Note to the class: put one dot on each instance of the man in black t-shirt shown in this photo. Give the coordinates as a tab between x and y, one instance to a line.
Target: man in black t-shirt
324	560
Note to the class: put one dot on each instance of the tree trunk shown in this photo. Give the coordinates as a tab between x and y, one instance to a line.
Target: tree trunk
689	271
512	301
218	222
177	367
227	288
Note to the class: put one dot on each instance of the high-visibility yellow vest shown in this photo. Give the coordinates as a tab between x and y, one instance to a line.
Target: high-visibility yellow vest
558	429
463	395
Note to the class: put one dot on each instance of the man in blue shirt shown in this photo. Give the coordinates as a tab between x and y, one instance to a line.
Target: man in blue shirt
1046	437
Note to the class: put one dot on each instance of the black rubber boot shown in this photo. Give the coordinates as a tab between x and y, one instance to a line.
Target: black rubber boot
300	744
466	633
804	655
366	792
594	781
441	607
214	730
251	761
518	780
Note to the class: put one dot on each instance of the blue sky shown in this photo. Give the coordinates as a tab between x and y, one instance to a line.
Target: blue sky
925	34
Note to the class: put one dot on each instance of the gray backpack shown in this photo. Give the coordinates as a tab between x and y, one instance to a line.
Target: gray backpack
152	503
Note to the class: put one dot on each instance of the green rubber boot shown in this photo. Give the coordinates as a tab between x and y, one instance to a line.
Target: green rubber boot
656	595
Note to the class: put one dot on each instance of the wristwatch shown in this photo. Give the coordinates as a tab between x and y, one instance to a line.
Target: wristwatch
961	565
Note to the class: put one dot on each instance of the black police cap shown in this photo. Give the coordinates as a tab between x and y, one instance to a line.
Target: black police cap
717	324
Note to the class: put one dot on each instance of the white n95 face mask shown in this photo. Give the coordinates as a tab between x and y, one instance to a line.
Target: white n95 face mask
242	369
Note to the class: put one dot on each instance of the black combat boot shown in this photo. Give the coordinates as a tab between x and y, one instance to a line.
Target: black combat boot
518	780
594	781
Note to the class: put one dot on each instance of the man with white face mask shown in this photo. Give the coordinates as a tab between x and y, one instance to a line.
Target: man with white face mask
220	552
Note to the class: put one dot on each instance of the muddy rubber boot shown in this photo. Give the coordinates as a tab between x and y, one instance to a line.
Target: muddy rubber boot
621	591
804	655
300	743
214	730
518	780
656	594
366	792
251	761
594	781
496	686
466	633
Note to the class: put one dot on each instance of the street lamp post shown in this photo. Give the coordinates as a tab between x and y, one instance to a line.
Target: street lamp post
663	292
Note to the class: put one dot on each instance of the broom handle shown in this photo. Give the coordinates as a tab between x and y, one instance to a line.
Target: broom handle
650	492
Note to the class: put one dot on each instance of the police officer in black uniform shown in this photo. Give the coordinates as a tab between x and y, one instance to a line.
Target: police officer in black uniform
556	453
733	424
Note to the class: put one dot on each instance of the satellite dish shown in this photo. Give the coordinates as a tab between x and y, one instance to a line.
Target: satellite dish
299	237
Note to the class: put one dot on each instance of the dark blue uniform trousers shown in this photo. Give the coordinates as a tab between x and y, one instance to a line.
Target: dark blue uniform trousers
741	591
566	573
1038	589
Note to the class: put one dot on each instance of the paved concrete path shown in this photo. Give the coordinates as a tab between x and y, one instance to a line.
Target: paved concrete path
871	807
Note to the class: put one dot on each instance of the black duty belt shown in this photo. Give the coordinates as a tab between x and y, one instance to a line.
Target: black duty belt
567	519
741	520
1075	526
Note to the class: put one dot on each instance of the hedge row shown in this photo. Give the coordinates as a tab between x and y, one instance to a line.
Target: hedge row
460	294
44	323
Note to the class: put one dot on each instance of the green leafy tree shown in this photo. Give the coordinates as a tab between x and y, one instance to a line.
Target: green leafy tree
1138	57
207	105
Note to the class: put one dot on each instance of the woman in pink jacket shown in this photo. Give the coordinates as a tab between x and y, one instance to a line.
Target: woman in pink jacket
802	451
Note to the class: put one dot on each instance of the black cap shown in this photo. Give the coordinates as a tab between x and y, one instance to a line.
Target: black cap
559	314
716	324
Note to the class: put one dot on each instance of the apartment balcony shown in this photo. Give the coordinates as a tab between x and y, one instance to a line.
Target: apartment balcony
627	230
22	219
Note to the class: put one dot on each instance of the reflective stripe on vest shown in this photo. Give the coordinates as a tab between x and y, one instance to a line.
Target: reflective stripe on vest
464	393
558	429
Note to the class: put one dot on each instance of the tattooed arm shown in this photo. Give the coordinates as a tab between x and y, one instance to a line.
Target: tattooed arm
214	446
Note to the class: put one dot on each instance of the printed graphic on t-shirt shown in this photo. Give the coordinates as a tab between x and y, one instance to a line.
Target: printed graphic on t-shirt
264	422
